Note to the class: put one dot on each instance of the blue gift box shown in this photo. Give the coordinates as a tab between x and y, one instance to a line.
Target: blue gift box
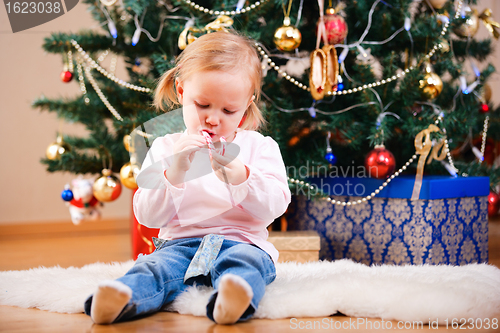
448	224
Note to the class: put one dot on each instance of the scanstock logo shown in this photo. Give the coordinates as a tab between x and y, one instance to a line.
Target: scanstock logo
28	14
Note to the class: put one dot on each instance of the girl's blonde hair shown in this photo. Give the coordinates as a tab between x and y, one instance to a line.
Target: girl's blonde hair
223	51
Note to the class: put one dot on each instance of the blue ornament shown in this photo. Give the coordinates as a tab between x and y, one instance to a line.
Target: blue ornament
67	194
330	158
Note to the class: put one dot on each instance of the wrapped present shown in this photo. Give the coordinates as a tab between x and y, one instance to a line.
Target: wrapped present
448	224
299	246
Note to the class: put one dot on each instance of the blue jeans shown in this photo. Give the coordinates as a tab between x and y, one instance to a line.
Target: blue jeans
157	279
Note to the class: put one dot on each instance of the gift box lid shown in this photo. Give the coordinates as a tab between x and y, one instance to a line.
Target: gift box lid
295	240
433	187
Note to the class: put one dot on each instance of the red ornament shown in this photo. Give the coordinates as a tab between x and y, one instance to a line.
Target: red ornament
335	26
484	108
66	76
380	163
493	204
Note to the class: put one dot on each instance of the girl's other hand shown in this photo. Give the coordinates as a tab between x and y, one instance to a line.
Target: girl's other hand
228	168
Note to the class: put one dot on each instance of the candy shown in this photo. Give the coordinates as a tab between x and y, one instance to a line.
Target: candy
223	144
211	146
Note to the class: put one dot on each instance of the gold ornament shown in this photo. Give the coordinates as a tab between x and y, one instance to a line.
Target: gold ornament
424	147
107	188
318	74
128	172
470	26
431	85
56	149
444	46
332	68
485	93
127	142
221	23
438	4
186	38
287	38
490	24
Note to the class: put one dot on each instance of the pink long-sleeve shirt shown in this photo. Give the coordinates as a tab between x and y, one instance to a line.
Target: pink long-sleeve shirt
206	205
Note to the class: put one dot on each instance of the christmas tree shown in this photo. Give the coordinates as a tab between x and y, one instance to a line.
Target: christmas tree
398	71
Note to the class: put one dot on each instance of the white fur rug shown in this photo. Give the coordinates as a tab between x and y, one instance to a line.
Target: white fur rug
315	289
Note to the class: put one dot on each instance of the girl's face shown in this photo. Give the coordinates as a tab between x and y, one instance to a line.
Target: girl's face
215	101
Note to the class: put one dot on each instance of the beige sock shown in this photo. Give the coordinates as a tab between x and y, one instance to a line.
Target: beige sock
233	298
109	301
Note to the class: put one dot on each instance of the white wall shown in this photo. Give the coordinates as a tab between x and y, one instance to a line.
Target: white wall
29	193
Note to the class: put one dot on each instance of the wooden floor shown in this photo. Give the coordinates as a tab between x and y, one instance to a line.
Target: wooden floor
66	245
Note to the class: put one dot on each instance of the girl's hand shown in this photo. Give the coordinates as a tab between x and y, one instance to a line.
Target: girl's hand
184	150
229	169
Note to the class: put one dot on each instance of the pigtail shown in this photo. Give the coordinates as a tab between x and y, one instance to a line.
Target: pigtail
253	118
165	95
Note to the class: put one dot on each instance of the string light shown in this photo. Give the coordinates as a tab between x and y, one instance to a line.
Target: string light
315	109
139	28
225	12
111	24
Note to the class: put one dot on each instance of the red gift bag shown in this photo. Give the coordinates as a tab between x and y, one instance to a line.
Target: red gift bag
141	236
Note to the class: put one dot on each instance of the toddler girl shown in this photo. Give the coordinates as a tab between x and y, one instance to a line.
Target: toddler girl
213	225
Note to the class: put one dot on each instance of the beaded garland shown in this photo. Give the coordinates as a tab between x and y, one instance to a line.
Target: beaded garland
93	64
224	12
82	82
485	132
369	197
101	70
101	94
446	145
70	61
